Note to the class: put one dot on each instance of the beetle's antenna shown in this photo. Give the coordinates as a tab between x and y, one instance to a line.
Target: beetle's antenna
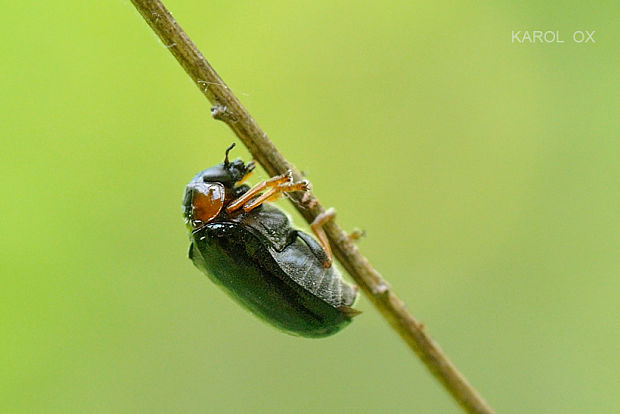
227	151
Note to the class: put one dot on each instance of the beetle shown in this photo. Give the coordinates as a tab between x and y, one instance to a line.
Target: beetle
248	247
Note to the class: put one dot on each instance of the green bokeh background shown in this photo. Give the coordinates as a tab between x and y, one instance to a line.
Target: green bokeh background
485	174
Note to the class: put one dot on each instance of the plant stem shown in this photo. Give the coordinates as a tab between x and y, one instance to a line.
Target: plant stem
226	107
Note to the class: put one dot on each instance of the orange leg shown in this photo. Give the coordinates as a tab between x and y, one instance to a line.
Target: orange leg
274	193
317	229
272	182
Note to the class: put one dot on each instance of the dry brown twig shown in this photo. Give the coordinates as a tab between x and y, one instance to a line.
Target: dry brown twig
227	108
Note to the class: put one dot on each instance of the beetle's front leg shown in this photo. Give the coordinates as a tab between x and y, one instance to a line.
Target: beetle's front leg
247	196
274	193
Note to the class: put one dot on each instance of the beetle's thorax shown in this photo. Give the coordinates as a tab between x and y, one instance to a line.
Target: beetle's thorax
211	190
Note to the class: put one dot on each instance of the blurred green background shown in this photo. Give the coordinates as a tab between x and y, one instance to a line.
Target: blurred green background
485	174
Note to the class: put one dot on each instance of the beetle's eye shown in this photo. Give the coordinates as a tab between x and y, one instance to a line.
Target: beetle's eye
207	202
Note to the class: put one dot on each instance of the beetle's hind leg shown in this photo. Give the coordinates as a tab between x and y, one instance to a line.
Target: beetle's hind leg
325	255
317	249
317	229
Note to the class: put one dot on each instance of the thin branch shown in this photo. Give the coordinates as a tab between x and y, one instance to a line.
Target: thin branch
226	107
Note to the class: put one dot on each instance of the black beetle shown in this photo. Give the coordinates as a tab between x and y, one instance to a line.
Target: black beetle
249	248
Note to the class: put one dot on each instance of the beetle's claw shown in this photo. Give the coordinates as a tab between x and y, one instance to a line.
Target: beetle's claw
356	235
306	185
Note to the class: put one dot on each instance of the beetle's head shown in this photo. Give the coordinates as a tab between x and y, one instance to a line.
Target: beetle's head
227	173
206	193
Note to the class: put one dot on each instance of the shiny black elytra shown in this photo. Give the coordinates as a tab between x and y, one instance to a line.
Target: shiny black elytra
249	248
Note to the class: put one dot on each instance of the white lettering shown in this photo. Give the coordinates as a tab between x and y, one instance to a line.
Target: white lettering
551	36
537	35
578	36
